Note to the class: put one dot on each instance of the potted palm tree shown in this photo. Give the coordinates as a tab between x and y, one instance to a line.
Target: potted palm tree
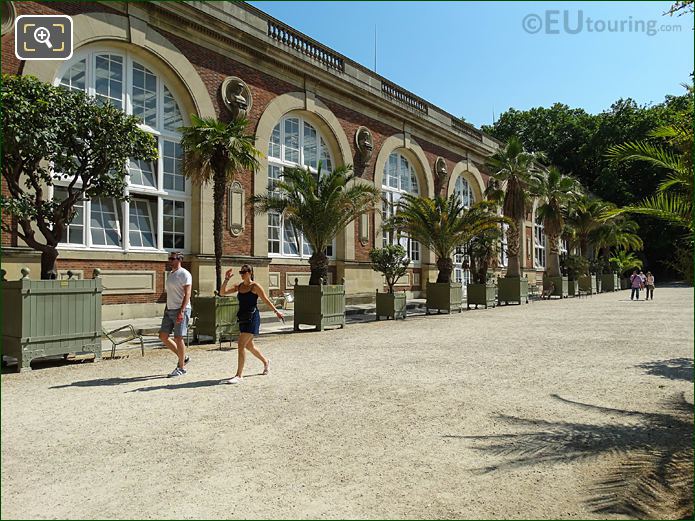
215	151
555	192
624	263
482	252
616	232
575	266
319	206
442	225
392	262
583	216
511	169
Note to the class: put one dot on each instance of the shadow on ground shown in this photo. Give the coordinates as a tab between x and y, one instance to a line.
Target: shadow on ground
107	382
652	477
673	369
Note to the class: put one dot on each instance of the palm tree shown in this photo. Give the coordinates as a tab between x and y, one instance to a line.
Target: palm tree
318	206
673	201
616	232
512	167
555	192
217	151
624	261
442	225
582	217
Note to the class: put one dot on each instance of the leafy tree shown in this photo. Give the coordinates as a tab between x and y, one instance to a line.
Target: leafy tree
555	192
51	134
319	206
217	151
391	261
442	225
575	265
512	168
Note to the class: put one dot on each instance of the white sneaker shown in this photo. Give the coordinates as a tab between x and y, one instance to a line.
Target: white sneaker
234	380
177	372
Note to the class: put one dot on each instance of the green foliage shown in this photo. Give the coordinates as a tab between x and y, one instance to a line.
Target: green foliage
578	143
483	252
319	206
555	193
51	134
442	225
217	151
512	168
574	265
624	262
391	261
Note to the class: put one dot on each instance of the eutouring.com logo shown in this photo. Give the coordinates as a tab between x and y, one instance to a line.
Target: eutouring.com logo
554	21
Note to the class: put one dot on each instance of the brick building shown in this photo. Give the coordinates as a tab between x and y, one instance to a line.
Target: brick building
306	103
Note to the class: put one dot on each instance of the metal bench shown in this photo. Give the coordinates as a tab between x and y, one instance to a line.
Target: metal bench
117	341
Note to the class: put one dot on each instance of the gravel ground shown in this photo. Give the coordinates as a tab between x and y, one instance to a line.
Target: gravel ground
483	414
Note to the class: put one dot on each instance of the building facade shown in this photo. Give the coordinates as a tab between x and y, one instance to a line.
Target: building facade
307	104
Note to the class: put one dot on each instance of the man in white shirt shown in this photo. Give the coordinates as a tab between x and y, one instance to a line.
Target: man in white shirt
177	314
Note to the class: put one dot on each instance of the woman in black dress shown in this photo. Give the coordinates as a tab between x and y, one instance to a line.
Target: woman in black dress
248	316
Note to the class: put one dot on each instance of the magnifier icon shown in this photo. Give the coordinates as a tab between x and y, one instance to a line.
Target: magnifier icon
43	35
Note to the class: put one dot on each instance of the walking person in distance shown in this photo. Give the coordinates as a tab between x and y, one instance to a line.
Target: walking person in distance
635	284
649	284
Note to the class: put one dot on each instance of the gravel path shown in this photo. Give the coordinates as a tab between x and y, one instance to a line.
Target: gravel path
378	420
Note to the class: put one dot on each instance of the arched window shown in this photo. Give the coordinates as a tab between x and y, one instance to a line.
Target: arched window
464	193
399	179
293	143
539	244
157	215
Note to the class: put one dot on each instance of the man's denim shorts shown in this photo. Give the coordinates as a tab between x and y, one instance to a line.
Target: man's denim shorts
170	326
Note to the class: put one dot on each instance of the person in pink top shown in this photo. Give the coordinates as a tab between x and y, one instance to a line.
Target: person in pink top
636	284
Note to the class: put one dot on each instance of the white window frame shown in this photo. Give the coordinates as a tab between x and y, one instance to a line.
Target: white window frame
539	245
280	162
89	55
460	274
392	196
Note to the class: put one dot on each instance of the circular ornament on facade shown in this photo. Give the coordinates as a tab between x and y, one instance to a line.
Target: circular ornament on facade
237	96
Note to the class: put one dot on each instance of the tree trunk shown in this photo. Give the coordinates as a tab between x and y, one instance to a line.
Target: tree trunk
444	265
513	247
48	263
319	268
553	257
218	189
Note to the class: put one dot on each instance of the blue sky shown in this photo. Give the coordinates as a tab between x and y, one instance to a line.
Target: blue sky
471	58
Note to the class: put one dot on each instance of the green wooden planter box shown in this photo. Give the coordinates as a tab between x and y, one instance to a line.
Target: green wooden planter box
561	286
512	289
444	296
390	305
588	283
573	288
610	282
481	295
215	317
624	283
50	318
319	306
